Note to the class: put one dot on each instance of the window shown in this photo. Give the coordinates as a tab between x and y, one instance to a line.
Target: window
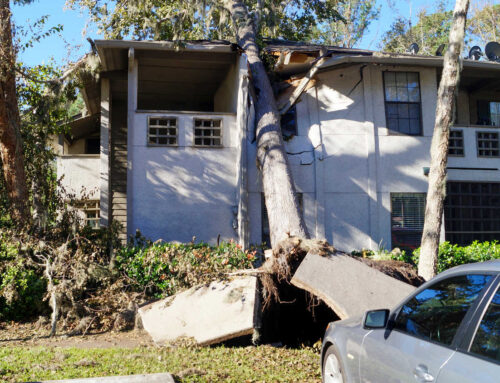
456	147
472	212
402	102
207	133
436	313
487	339
93	145
266	232
488	113
91	213
289	123
487	144
162	131
407	219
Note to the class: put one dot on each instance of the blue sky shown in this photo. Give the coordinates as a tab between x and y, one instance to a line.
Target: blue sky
71	44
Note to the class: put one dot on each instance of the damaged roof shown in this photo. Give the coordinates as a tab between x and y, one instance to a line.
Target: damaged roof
298	57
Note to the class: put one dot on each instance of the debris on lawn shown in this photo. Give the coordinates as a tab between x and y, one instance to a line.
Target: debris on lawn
302	286
209	314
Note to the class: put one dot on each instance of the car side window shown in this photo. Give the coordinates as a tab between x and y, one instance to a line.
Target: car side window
436	312
487	339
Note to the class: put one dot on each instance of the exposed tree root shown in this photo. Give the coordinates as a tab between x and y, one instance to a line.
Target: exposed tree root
399	270
287	256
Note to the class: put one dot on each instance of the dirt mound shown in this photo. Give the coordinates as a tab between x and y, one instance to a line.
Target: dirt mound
401	271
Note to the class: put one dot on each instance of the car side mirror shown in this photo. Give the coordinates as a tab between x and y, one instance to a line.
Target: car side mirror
376	319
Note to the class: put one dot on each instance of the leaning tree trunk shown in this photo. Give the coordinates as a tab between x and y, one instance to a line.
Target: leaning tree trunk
439	147
10	139
279	191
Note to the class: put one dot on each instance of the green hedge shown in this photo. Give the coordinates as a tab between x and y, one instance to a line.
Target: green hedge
162	269
22	285
453	255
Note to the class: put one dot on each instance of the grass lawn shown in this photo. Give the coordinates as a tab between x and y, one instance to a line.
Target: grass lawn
211	364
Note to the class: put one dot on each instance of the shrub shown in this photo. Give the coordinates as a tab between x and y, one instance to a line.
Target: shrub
162	269
453	255
22	286
449	256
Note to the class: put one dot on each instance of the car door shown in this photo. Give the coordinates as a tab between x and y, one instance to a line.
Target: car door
420	337
479	358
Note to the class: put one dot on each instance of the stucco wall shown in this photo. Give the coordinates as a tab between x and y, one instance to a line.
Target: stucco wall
350	163
181	192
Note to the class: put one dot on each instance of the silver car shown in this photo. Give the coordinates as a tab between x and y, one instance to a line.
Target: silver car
447	331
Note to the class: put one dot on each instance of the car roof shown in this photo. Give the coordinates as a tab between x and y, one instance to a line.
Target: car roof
488	266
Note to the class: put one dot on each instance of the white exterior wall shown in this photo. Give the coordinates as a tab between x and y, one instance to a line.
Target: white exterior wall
80	175
349	163
181	192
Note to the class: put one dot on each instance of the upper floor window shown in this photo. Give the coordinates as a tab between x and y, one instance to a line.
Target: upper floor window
207	132
488	113
162	131
402	102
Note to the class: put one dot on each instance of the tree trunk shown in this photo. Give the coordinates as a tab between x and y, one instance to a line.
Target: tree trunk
282	205
439	147
10	138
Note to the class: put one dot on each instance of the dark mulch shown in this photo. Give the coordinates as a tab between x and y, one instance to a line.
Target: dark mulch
402	271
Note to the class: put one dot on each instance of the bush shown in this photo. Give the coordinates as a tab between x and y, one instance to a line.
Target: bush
162	269
22	285
449	255
453	255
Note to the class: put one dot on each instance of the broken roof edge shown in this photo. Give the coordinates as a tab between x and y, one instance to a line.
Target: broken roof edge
409	60
194	45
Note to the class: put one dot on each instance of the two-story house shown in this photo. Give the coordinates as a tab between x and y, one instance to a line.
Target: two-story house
170	148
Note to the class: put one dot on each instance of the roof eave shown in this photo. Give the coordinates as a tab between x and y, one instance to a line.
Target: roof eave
425	61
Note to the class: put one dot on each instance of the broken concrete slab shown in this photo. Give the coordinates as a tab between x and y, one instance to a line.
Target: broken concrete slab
145	378
347	286
206	314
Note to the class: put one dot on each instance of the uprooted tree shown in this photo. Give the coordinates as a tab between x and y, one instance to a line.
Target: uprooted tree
439	147
183	20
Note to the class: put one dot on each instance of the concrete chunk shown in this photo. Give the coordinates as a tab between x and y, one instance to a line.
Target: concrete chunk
207	314
348	286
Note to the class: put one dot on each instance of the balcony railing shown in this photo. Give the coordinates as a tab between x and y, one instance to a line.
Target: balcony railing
80	175
474	146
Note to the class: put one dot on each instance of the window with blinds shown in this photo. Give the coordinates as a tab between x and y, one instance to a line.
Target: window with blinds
407	219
